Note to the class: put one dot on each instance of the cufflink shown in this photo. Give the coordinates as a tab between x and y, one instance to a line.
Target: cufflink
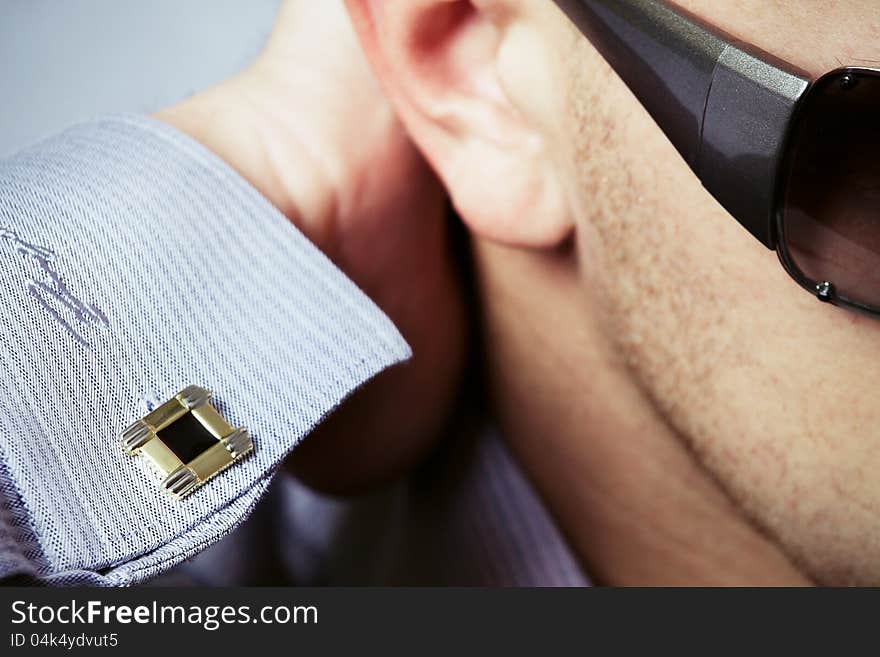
187	441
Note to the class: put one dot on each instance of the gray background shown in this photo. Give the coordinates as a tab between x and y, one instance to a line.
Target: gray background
65	61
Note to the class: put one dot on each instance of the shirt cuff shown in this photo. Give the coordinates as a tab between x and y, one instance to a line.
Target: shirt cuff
133	263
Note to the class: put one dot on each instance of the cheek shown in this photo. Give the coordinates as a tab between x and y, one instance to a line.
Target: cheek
793	434
772	391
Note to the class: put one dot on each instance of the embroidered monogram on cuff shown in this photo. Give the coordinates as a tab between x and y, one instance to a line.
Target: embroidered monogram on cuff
187	441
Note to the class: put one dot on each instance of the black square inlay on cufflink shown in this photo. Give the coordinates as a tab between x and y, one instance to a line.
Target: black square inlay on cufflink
187	437
187	441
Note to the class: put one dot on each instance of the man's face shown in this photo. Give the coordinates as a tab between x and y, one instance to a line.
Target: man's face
771	390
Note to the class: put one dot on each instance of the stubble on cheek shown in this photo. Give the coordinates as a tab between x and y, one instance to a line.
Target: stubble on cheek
712	331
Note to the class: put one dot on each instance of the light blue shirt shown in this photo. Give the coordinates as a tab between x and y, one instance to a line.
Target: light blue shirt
133	262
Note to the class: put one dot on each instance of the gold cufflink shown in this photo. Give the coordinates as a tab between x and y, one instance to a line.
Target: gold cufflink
187	441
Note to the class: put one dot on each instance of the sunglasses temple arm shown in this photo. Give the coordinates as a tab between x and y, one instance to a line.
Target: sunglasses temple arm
726	107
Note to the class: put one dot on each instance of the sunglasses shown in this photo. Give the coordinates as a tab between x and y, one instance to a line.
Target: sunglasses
796	161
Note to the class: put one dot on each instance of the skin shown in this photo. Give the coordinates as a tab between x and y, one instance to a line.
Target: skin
688	413
308	126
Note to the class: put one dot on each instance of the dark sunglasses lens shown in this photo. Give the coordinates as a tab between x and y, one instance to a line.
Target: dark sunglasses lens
831	218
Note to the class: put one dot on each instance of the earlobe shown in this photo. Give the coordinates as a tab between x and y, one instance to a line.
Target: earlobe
438	61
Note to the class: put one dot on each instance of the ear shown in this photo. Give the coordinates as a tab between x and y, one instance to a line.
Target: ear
438	61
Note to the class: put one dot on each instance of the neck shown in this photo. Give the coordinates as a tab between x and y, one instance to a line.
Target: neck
633	501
